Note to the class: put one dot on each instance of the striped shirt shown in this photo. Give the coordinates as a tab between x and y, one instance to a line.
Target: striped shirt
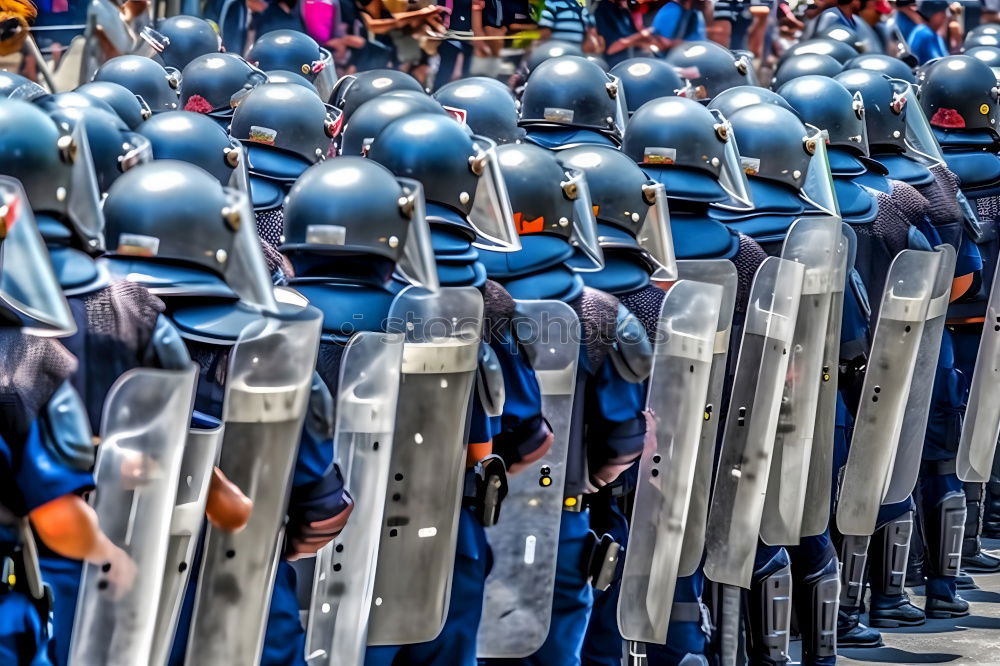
567	19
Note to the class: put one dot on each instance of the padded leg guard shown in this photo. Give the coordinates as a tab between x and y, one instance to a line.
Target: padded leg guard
890	553
854	555
817	598
944	531
769	616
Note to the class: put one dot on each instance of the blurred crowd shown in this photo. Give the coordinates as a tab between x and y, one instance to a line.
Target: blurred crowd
439	41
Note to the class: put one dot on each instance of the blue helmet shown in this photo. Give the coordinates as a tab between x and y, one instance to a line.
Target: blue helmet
130	108
193	138
188	37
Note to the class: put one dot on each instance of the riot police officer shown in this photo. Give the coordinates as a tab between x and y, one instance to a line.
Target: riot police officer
606	427
465	205
119	328
693	157
385	231
209	266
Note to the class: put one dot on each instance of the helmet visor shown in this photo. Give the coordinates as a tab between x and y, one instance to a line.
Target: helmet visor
254	79
817	188
138	150
417	264
151	43
240	178
731	176
326	75
246	271
920	143
621	109
83	201
29	289
859	110
655	236
491	217
584	236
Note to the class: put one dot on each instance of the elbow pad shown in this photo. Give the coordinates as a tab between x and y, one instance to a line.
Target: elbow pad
632	352
489	381
166	348
66	432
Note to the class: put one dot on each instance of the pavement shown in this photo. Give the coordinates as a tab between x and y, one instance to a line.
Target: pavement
969	640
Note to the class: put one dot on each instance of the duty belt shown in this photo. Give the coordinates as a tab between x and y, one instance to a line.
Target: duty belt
486	488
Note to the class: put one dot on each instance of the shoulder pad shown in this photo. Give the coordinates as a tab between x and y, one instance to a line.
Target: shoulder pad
498	308
489	381
67	435
632	352
166	347
597	311
320	414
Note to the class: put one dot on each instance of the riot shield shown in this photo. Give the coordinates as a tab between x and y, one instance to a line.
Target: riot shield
819	479
144	426
879	415
267	393
720	272
906	464
105	36
752	420
200	453
819	245
678	392
981	428
344	574
420	520
517	607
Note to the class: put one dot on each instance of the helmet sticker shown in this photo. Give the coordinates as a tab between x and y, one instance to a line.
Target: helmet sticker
264	135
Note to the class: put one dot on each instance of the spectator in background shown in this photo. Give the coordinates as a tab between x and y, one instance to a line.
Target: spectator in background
919	24
323	23
569	21
617	27
876	34
729	18
274	15
677	21
843	13
465	20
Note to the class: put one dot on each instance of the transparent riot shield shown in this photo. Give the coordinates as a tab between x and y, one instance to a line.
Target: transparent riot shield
678	392
416	554
752	420
981	427
719	272
819	245
819	480
267	393
879	416
106	36
145	420
344	575
906	464
200	454
517	607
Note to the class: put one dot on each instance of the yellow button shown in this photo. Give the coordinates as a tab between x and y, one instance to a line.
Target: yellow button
11	580
546	481
984	109
570	501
